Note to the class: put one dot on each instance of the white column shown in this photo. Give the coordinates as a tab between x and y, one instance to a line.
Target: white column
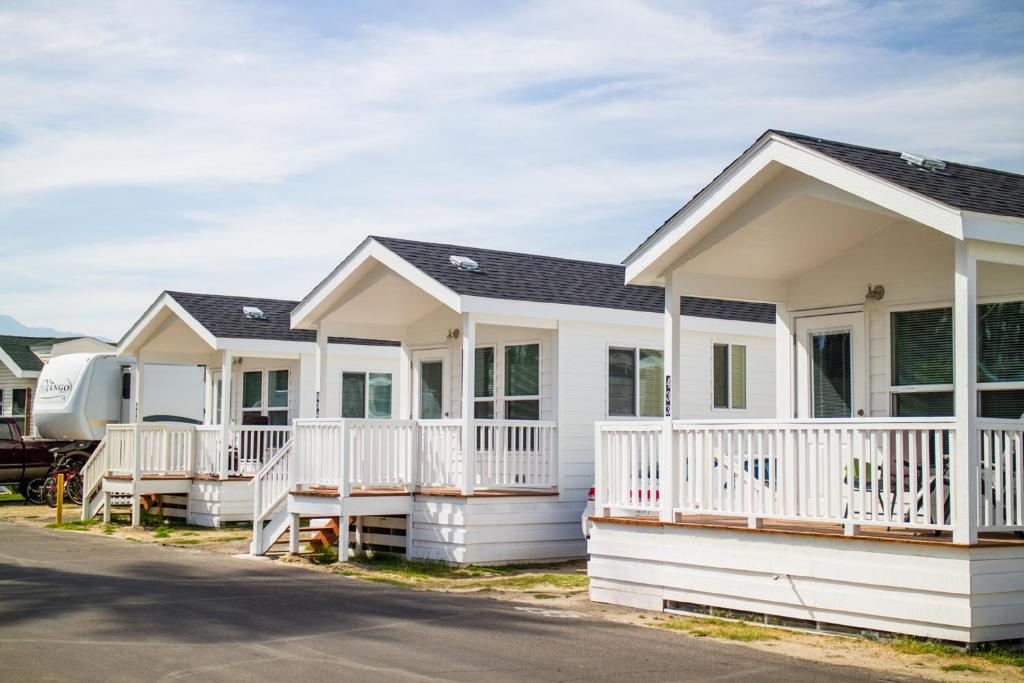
667	471
225	412
964	467
137	443
404	383
784	373
468	433
321	370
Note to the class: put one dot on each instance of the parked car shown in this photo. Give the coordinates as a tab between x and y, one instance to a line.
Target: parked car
22	460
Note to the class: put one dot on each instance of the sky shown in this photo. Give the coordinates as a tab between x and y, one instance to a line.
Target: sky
247	148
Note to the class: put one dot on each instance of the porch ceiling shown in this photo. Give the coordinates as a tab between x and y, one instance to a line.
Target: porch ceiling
797	234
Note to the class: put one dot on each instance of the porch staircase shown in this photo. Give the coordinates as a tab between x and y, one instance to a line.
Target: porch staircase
315	535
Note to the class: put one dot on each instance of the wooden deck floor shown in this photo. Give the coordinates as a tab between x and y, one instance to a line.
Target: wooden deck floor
332	491
816	529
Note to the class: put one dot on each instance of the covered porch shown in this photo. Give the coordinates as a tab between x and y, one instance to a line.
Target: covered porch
899	398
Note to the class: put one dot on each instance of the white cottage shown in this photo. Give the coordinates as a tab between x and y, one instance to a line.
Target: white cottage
888	491
490	452
222	355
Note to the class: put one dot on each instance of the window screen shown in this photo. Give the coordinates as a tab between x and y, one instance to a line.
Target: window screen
353	394
721	375
379	395
252	388
522	370
652	379
1000	345
621	382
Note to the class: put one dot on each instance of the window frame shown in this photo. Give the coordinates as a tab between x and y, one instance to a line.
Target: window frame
366	393
730	408
493	398
264	408
501	394
22	416
635	349
893	389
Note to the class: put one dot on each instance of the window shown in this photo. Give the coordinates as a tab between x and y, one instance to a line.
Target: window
5	432
729	376
483	383
218	389
366	394
635	380
265	397
19	407
277	397
1001	360
522	380
922	361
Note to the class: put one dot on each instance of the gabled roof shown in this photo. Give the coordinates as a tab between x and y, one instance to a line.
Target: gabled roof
957	186
550	279
222	316
969	188
19	351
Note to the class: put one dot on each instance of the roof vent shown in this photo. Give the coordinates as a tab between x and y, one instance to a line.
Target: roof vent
927	163
254	313
464	263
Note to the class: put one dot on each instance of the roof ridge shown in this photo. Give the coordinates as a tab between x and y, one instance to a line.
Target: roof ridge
794	136
499	251
230	296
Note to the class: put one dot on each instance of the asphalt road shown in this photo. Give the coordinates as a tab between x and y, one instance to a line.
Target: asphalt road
76	607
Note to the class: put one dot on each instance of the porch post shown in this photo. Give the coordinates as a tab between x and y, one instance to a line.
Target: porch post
321	370
784	409
404	383
668	476
225	412
468	379
137	444
964	465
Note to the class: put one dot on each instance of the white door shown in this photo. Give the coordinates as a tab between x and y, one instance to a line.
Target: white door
430	387
831	366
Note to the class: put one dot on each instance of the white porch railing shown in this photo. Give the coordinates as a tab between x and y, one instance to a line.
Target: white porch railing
356	453
515	453
253	445
894	473
440	453
1000	475
209	450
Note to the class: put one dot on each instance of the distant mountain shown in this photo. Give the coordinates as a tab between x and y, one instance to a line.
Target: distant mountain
9	325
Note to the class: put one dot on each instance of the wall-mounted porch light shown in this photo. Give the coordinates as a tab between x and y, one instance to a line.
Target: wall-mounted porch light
875	292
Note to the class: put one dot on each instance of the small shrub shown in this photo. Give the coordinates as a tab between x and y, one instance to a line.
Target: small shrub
963	667
327	555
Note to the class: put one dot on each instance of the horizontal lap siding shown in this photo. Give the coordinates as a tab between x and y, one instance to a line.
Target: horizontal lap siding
496	531
923	590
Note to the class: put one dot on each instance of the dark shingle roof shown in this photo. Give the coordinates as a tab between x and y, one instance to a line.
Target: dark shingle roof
549	279
20	351
970	188
222	316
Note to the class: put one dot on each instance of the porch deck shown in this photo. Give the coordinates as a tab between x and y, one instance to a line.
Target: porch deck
435	491
816	530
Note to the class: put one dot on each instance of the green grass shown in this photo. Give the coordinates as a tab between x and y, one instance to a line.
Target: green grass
74	525
109	529
995	654
533	581
6	497
327	555
163	531
719	628
963	667
427	569
913	646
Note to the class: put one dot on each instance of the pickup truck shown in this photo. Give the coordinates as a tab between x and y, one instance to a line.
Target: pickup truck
22	460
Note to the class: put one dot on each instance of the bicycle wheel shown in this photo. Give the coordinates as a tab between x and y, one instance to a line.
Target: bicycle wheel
73	489
34	491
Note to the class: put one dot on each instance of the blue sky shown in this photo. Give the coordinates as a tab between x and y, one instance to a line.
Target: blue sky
246	148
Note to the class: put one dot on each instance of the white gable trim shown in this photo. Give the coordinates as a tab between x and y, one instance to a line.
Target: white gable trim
772	148
16	369
164	301
302	316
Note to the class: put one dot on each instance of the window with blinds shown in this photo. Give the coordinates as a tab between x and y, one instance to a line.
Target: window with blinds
522	380
483	383
729	376
922	361
635	378
353	394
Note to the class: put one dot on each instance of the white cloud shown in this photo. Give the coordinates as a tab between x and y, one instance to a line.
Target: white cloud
285	142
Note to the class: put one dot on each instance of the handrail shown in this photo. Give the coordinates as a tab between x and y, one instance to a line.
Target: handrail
285	448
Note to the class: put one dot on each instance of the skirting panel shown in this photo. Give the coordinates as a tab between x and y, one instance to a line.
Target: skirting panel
935	591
